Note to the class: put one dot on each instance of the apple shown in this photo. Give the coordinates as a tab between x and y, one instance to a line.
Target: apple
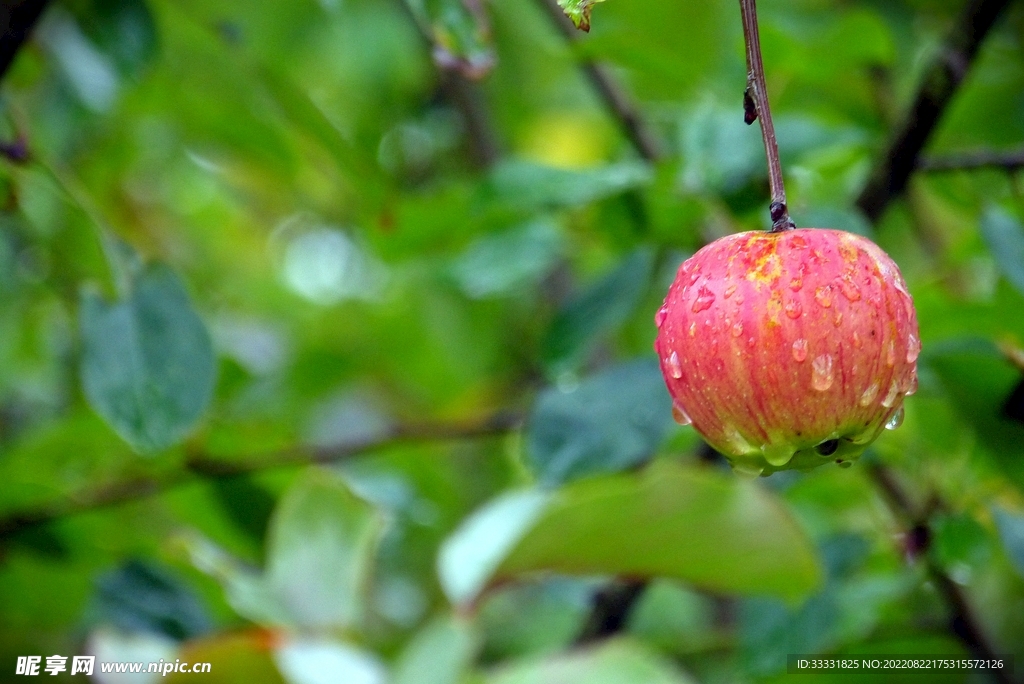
789	349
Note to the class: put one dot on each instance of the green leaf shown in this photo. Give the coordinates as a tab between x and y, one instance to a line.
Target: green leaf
600	308
1004	235
469	558
500	263
617	661
1011	532
323	661
147	363
530	187
320	549
610	422
579	11
233	656
706	528
438	654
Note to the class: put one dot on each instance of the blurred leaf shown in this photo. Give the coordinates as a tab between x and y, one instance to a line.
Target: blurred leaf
234	657
960	539
530	187
706	528
308	661
1011	532
978	378
469	557
1004	235
618	661
438	654
771	629
320	550
147	361
612	421
600	308
140	597
497	264
124	29
578	11
536	617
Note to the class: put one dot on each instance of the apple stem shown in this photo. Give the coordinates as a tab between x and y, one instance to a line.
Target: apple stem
755	106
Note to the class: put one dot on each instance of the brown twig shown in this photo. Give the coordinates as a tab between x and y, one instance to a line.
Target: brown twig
464	93
940	83
1007	160
755	106
963	622
622	108
202	465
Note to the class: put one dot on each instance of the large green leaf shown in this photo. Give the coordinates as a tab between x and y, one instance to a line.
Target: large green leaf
147	362
703	527
320	549
618	661
601	307
609	422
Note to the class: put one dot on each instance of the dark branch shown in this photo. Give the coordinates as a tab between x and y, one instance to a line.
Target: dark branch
201	465
940	83
622	108
17	19
1008	160
755	106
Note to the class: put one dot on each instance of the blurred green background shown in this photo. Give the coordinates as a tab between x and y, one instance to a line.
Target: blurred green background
325	343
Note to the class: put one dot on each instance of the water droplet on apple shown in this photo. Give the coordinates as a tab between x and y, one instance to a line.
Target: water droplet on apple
800	349
823	295
913	348
890	396
729	290
674	367
821	372
778	454
797	242
912	386
751	342
838	319
737	329
856	340
795	284
849	289
659	318
693	328
793	309
869	394
680	415
705	298
895	420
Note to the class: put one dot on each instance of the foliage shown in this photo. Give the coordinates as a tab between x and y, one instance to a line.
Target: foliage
325	341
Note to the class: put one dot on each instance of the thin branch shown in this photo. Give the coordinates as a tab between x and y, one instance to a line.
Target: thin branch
17	19
620	106
963	622
940	83
200	466
1007	160
755	106
464	93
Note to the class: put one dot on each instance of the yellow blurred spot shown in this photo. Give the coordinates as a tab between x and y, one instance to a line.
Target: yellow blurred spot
566	140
